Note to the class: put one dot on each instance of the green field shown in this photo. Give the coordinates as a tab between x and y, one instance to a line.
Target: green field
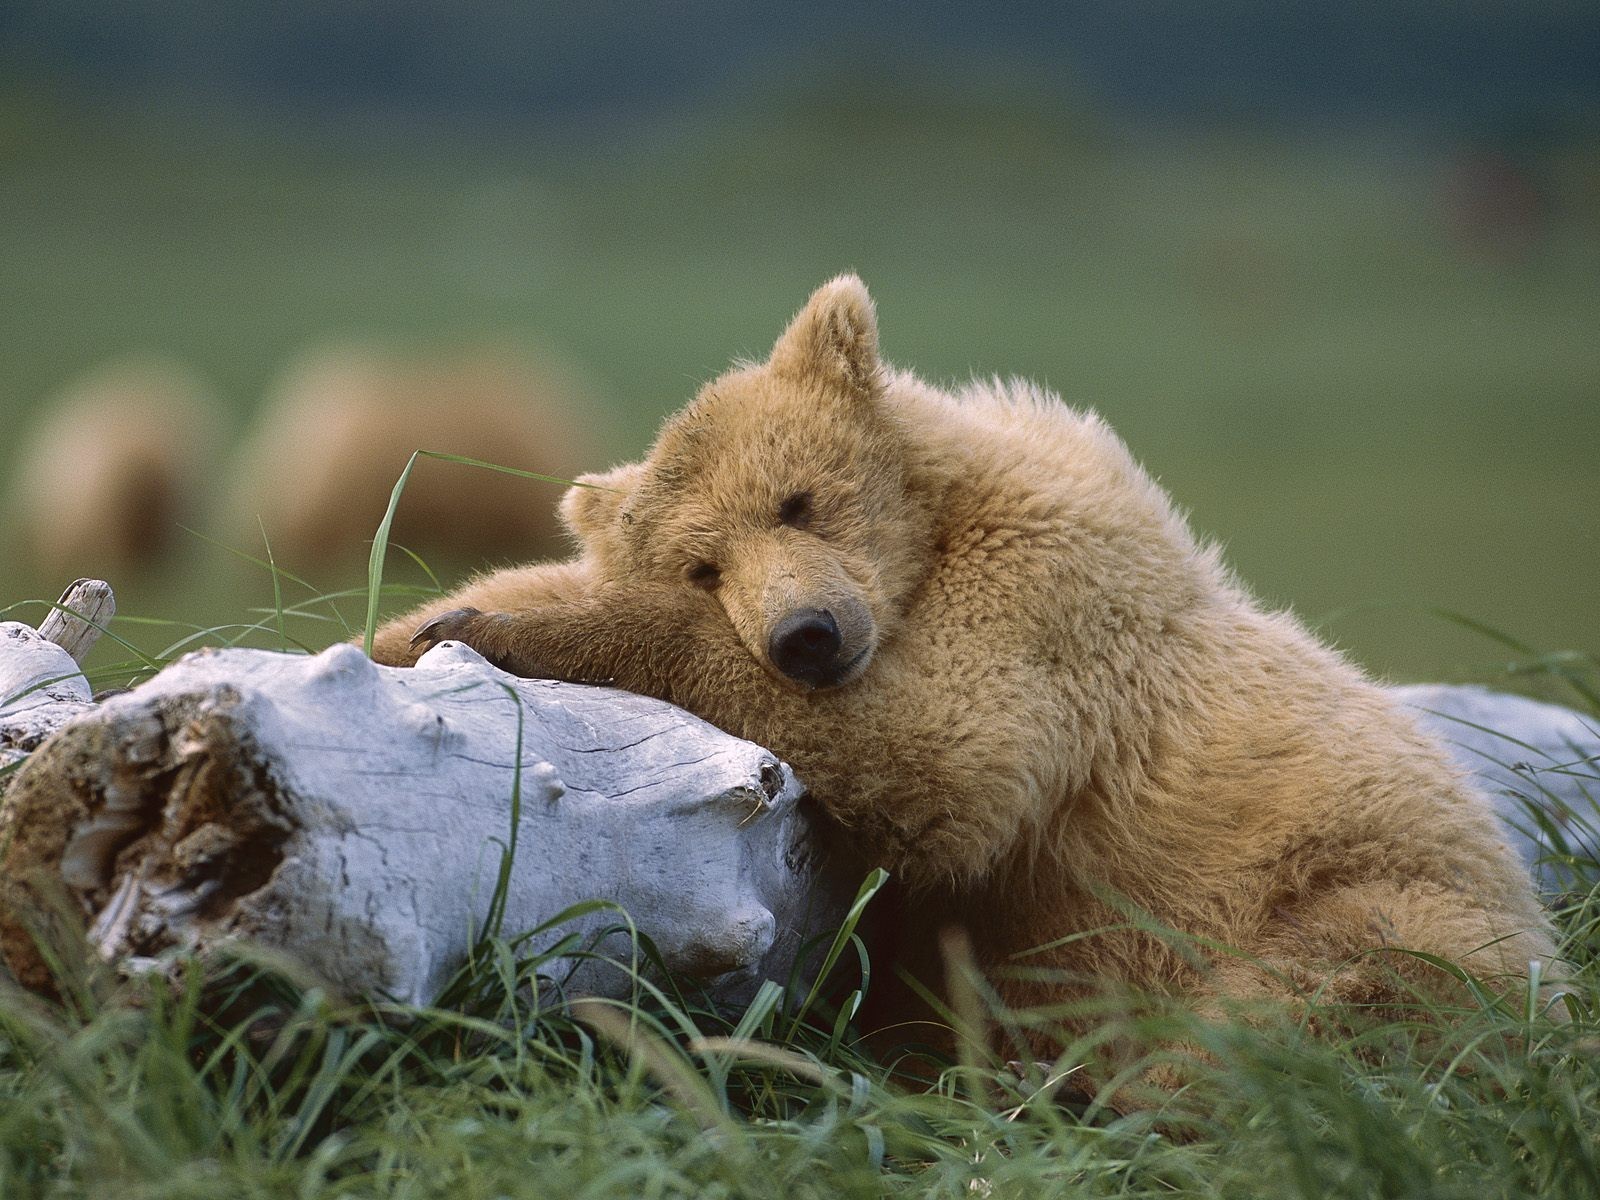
1376	419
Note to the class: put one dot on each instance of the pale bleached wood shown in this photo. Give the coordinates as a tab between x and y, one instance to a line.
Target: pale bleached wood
354	816
81	616
41	685
41	689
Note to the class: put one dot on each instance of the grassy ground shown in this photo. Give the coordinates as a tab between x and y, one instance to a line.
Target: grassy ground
248	1080
498	1097
1368	406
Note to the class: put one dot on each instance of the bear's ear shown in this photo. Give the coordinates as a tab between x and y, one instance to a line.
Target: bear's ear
834	338
592	504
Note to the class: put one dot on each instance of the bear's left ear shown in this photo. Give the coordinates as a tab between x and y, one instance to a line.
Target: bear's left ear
834	339
592	504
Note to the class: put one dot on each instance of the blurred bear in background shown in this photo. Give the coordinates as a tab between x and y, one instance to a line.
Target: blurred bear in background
319	464
112	470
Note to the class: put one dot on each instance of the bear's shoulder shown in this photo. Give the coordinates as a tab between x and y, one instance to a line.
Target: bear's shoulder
1009	413
1021	449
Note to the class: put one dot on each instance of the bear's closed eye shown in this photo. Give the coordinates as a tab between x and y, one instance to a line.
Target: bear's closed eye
703	575
795	510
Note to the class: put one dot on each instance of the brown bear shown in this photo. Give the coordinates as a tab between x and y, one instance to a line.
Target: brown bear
1000	659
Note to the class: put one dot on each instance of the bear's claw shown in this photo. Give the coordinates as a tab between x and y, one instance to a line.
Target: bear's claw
447	626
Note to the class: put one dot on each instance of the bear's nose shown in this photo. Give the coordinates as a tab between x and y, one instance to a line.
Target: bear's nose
805	645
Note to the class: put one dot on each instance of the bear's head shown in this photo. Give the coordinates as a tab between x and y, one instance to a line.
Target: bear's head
780	496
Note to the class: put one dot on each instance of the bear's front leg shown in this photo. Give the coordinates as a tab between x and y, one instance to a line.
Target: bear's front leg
495	635
468	614
550	621
525	620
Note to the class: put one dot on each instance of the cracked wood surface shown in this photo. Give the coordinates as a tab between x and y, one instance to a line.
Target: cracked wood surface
355	816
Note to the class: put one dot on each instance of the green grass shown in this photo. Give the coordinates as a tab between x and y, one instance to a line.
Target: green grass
245	1078
1286	332
243	1082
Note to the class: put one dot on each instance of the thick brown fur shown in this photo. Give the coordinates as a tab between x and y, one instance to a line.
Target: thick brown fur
1068	711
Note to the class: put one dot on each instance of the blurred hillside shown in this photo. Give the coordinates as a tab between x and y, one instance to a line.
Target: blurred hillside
1350	325
1483	63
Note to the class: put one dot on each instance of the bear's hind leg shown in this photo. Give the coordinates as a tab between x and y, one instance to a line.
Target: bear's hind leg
1375	945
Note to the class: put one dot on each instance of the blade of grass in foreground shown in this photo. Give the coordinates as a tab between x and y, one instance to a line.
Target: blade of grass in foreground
508	855
380	545
105	630
870	886
380	539
277	586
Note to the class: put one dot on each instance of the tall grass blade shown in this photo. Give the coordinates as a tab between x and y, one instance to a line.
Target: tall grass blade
380	539
869	888
380	546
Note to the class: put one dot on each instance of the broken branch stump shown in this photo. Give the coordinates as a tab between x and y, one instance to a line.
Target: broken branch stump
41	684
80	616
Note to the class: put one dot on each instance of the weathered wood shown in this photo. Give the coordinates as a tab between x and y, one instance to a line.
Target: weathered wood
355	816
81	616
41	685
41	689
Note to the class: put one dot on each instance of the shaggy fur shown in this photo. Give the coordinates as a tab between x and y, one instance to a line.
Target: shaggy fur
1059	704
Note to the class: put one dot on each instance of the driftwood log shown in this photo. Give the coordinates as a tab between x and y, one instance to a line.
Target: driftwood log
356	816
41	684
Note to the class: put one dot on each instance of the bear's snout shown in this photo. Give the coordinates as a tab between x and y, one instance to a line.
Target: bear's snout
806	645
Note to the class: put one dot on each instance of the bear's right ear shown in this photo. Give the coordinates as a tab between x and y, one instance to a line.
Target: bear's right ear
834	338
593	502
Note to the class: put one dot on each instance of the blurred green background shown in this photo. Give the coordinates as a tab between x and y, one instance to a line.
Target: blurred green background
1335	277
